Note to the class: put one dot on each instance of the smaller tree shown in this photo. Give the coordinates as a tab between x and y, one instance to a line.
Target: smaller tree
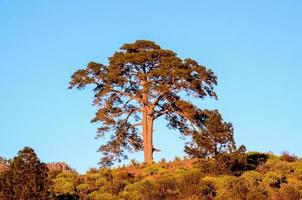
26	178
211	137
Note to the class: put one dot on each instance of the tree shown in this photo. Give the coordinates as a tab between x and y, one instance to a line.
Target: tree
26	178
141	83
213	137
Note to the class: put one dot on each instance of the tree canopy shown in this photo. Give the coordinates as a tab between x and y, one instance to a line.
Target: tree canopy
141	83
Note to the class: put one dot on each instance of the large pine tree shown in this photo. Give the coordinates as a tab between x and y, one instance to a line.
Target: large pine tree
141	83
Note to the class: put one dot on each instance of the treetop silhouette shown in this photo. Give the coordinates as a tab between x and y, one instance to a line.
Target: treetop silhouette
141	83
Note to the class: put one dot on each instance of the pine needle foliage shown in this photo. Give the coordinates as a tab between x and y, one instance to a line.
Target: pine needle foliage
141	83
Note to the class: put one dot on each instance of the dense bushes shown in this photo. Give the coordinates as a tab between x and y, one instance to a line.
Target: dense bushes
251	176
231	164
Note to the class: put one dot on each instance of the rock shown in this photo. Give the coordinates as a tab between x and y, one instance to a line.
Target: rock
52	167
58	166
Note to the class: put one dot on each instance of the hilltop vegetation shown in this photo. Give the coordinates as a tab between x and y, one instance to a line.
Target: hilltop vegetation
238	175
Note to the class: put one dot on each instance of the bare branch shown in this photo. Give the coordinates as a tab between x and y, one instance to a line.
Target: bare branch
161	113
155	103
137	124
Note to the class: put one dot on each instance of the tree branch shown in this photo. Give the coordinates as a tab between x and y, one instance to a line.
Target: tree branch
155	103
127	94
178	112
137	124
161	113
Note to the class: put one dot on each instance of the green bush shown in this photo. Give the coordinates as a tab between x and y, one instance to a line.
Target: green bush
237	176
154	169
99	195
273	179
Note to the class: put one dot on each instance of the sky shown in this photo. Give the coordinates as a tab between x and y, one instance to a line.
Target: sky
254	47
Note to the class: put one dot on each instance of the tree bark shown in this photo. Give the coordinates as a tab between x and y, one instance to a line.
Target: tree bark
147	121
148	136
149	144
145	130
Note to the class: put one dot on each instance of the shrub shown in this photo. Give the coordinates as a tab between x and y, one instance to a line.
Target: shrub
285	156
207	190
257	193
189	184
144	189
276	165
154	169
254	159
283	167
237	189
273	179
99	195
64	183
231	164
252	178
120	180
166	188
287	192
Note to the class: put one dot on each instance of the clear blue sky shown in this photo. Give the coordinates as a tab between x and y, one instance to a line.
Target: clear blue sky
254	47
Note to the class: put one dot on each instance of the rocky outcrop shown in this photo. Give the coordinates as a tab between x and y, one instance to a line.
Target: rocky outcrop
52	167
58	166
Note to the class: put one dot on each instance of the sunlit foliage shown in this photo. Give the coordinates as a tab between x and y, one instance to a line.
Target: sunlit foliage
239	175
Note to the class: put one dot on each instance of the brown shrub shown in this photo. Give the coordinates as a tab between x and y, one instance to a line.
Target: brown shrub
285	156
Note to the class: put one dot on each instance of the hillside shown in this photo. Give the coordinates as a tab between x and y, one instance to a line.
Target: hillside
249	176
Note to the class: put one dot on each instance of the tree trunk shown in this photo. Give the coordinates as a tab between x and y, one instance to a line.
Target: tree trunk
148	137
150	140
145	130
